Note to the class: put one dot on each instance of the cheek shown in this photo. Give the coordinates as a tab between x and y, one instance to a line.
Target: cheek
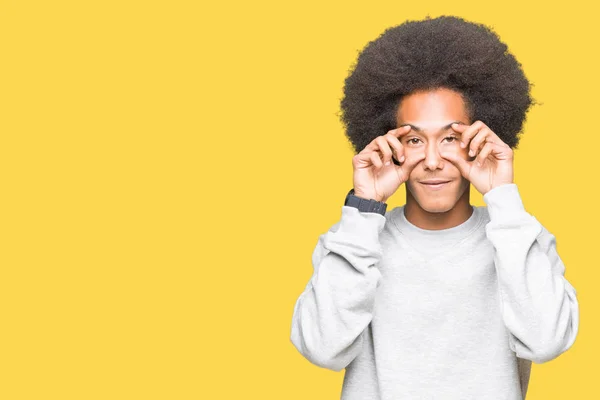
409	149
414	174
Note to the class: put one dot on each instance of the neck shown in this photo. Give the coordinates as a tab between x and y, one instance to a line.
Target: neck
423	219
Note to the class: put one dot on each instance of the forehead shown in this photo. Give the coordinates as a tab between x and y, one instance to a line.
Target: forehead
432	110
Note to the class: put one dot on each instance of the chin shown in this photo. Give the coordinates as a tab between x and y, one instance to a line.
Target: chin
435	208
438	201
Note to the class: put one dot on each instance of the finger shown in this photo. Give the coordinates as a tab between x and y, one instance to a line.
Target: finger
376	160
484	153
463	165
470	132
385	149
396	132
366	159
393	139
397	148
482	137
497	151
460	128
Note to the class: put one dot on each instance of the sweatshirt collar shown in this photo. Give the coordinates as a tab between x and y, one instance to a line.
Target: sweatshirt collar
456	232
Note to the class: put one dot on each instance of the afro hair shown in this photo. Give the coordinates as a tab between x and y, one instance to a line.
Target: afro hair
443	52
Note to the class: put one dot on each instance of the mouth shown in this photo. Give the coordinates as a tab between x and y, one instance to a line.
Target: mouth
437	184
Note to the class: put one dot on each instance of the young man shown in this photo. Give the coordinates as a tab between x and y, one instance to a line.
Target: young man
437	299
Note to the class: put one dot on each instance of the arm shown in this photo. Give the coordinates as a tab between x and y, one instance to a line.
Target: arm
539	306
336	306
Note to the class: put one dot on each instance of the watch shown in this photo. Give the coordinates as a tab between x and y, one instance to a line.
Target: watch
367	205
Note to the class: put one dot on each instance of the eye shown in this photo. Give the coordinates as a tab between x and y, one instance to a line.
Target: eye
454	138
410	141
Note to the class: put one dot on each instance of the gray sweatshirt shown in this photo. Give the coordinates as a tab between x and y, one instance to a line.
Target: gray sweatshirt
436	314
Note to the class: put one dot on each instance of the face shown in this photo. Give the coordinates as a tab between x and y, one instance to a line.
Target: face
431	113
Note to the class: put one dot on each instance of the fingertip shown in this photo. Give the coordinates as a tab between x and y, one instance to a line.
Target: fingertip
457	126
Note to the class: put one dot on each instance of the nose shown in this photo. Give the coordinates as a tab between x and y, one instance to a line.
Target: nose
433	159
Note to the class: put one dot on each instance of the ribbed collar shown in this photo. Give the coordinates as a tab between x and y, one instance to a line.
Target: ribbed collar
453	234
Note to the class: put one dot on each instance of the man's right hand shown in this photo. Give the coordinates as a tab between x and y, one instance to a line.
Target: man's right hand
375	175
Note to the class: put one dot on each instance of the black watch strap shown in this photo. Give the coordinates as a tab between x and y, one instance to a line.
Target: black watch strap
367	205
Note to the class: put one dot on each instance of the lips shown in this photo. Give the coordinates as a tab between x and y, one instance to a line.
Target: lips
434	184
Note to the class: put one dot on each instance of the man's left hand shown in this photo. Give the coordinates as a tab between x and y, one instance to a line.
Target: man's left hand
492	165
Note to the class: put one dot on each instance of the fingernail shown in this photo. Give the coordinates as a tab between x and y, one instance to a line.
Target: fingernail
471	153
402	159
462	144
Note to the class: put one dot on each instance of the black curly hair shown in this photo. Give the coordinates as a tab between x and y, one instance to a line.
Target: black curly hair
443	52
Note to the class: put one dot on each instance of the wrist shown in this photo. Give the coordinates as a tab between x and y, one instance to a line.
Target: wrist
498	185
365	204
370	196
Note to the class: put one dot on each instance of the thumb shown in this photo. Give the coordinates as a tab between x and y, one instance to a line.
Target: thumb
463	165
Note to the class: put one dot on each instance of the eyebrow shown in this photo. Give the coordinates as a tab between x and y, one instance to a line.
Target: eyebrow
444	128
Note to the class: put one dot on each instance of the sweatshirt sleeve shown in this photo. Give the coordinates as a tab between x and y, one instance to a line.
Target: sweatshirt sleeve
539	306
336	306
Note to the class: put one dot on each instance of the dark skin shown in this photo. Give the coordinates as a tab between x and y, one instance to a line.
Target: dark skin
431	114
449	148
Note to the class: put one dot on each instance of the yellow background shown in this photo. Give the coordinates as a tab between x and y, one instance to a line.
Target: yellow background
167	167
